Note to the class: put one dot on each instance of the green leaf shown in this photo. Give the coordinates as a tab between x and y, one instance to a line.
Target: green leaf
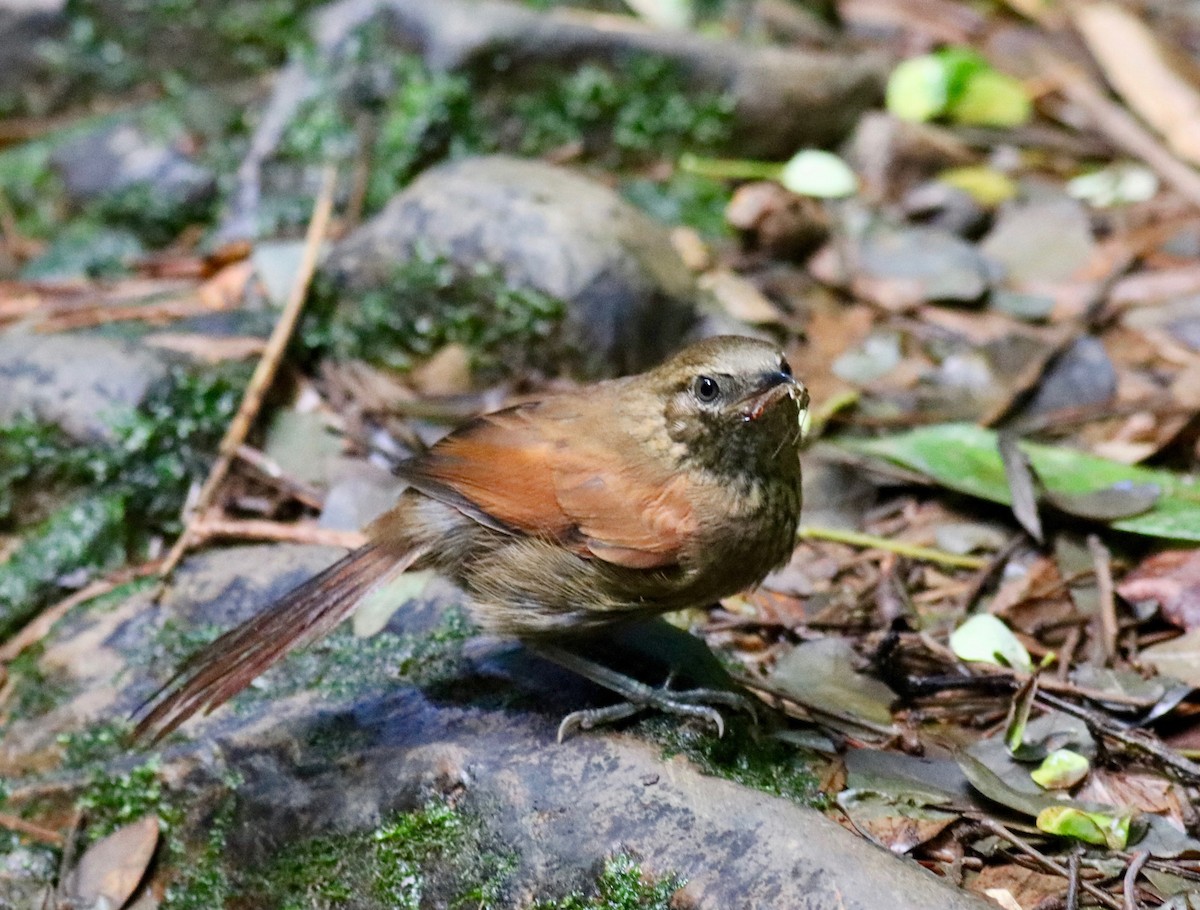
918	89
991	99
1061	770
1100	828
1018	719
823	175
959	84
986	185
985	639
965	458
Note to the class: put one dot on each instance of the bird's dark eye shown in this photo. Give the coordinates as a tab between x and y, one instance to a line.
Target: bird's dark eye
784	367
706	389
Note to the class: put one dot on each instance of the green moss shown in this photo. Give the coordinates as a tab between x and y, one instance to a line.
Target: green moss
430	303
621	886
84	535
203	882
114	800
375	105
197	874
175	641
148	214
688	199
33	453
31	190
389	867
437	655
641	111
113	47
402	846
741	756
167	443
139	482
94	746
429	117
342	664
85	248
34	691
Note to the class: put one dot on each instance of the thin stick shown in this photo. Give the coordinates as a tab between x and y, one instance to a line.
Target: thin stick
1102	564
1073	880
1120	126
264	374
1131	874
276	531
37	832
277	477
872	542
998	829
39	627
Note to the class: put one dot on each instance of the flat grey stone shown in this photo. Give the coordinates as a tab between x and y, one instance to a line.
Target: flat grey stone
121	156
1081	376
77	382
1047	240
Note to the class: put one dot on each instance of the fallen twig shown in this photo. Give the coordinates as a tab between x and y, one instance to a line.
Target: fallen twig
272	473
871	541
1109	628
36	831
1073	880
1129	890
279	532
39	627
1028	849
264	374
1133	739
1120	126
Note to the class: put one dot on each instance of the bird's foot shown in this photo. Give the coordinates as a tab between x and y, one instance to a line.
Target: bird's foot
639	697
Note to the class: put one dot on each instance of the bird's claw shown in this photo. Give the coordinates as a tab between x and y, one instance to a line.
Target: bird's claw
695	703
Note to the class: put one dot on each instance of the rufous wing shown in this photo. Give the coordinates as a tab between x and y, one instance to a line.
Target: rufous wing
561	469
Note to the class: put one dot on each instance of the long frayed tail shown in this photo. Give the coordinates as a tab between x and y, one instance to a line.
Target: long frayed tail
218	672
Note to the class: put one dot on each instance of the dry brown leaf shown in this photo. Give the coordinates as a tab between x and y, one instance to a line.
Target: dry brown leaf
901	833
447	372
1145	288
225	289
109	872
1170	579
1134	63
1025	887
1134	790
691	248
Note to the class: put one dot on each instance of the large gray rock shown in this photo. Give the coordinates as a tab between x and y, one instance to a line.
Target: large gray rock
122	156
350	751
784	98
627	293
77	382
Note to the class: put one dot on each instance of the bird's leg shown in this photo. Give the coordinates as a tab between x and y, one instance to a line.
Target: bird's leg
638	696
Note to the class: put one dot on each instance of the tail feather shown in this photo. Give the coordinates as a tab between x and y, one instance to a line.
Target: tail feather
222	669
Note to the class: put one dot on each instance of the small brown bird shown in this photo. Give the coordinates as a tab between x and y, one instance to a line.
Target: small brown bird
615	502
